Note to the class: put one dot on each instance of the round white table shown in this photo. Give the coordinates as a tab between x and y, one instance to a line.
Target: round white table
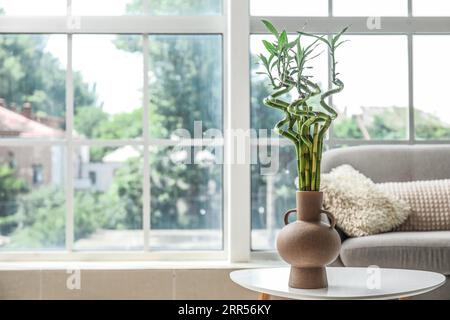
343	283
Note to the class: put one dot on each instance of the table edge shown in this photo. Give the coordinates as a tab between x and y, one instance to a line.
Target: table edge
406	294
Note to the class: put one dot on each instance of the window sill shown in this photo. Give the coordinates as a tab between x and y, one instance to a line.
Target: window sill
135	265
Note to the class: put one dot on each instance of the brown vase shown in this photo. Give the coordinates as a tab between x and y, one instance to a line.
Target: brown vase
307	244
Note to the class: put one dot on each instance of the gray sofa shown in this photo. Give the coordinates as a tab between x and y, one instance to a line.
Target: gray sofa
409	250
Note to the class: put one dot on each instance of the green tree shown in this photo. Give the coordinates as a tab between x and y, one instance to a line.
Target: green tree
390	124
31	74
88	119
10	187
120	126
125	196
429	126
40	220
93	122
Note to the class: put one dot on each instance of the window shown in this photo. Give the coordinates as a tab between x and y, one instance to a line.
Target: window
117	118
289	8
430	72
108	109
33	104
178	60
108	213
38	174
438	8
188	217
146	7
33	198
364	113
93	177
33	8
106	8
370	8
111	107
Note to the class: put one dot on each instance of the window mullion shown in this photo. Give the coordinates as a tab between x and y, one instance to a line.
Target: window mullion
238	118
146	170
411	120
70	148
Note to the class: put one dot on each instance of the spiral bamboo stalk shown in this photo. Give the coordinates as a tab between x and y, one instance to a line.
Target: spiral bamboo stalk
303	124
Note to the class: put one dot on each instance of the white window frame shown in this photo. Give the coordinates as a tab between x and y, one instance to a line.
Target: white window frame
143	26
235	25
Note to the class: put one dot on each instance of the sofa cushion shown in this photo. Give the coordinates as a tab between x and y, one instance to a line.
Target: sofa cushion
405	250
359	206
429	202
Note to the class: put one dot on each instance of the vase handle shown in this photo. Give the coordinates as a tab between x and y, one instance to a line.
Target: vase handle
331	217
286	216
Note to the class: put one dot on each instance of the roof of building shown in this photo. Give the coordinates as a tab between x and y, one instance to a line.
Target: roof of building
17	125
123	154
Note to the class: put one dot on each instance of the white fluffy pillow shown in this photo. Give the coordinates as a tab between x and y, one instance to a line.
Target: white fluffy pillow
360	208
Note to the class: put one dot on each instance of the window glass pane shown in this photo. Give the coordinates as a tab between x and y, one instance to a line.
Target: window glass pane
32	198
372	8
431	70
185	83
32	86
273	193
108	103
33	7
108	198
262	116
184	7
106	7
374	102
152	7
289	8
186	198
431	8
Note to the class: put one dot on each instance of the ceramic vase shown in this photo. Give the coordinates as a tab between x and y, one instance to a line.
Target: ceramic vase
308	244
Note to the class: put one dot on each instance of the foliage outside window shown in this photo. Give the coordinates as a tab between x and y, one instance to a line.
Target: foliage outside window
185	85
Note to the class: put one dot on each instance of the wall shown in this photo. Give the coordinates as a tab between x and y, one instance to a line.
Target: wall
139	284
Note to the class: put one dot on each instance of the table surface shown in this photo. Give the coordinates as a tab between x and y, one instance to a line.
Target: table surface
343	283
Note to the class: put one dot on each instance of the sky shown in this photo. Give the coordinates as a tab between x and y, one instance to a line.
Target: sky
373	68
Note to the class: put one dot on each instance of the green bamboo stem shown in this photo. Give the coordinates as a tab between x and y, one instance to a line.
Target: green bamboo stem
319	163
307	169
300	178
315	158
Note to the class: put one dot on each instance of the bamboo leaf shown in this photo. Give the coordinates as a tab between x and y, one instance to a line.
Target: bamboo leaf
273	64
263	59
282	41
292	44
319	38
270	47
271	28
336	37
340	43
271	58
